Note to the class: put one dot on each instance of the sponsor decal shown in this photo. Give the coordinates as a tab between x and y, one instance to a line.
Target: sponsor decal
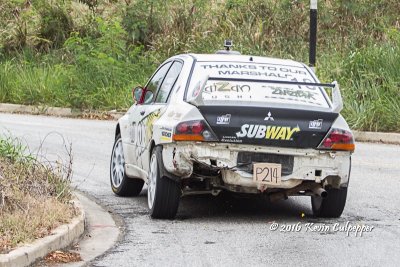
227	87
166	128
231	139
166	136
224	119
315	124
293	93
267	132
269	117
233	97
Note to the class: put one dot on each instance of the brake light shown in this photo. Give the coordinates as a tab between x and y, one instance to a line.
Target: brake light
338	139
193	131
182	128
197	127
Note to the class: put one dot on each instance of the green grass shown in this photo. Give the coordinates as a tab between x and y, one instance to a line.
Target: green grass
110	49
370	86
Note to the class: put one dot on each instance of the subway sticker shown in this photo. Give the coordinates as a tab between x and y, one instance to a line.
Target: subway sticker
267	132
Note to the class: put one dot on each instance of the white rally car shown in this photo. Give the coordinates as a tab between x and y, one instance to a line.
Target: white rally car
247	124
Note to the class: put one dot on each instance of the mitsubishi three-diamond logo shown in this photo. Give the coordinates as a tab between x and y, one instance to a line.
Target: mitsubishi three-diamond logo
269	117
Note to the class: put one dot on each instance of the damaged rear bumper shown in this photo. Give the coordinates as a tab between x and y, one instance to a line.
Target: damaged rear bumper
323	167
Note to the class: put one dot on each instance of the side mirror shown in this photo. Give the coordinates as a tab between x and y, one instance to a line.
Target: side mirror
137	93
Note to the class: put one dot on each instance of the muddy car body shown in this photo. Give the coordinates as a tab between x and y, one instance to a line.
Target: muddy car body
245	124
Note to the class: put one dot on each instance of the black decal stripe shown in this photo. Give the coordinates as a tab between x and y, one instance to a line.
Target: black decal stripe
240	115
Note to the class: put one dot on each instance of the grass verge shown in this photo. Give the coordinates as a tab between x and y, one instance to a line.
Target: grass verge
34	197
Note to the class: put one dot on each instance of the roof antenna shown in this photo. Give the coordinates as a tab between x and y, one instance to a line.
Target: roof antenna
313	33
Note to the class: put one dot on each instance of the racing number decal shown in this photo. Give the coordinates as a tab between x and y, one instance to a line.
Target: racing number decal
267	173
270	174
142	134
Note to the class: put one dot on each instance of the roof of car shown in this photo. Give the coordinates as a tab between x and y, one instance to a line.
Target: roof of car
246	58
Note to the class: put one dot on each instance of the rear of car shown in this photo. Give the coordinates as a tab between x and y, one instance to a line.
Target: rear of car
259	125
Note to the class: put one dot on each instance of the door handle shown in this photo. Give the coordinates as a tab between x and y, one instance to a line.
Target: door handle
142	112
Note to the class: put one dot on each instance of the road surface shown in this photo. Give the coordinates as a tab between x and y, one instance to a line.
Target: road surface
224	230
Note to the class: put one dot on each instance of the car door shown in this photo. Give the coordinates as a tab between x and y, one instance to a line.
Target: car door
146	114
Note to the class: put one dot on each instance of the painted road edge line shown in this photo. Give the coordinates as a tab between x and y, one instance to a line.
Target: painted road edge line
61	237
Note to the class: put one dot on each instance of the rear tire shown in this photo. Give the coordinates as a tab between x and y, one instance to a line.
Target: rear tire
332	206
121	184
163	194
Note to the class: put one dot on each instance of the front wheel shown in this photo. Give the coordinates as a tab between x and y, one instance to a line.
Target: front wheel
332	206
121	184
163	194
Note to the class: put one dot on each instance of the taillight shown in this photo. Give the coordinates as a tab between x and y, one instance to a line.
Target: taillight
197	127
182	127
338	139
193	131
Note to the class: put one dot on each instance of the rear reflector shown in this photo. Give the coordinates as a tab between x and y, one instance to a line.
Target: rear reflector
349	147
187	137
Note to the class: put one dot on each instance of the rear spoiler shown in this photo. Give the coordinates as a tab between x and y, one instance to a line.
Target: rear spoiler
337	101
197	96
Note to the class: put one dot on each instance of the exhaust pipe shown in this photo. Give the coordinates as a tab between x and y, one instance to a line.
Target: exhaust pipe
319	191
316	190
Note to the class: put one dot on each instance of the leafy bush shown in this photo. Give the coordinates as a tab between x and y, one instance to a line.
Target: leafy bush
55	25
141	22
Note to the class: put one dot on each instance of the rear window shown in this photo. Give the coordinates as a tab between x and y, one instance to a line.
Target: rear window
232	83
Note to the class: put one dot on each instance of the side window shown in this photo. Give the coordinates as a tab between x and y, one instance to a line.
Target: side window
157	79
169	82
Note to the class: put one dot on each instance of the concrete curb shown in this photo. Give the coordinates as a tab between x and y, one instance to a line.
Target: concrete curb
387	138
61	237
379	137
14	108
51	111
102	230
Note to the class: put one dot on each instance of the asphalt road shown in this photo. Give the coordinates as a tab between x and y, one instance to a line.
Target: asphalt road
224	230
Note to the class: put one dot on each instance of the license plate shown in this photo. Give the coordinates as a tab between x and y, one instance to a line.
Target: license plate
267	173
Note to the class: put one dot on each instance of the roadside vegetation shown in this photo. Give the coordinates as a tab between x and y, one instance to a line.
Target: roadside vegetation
88	54
34	196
